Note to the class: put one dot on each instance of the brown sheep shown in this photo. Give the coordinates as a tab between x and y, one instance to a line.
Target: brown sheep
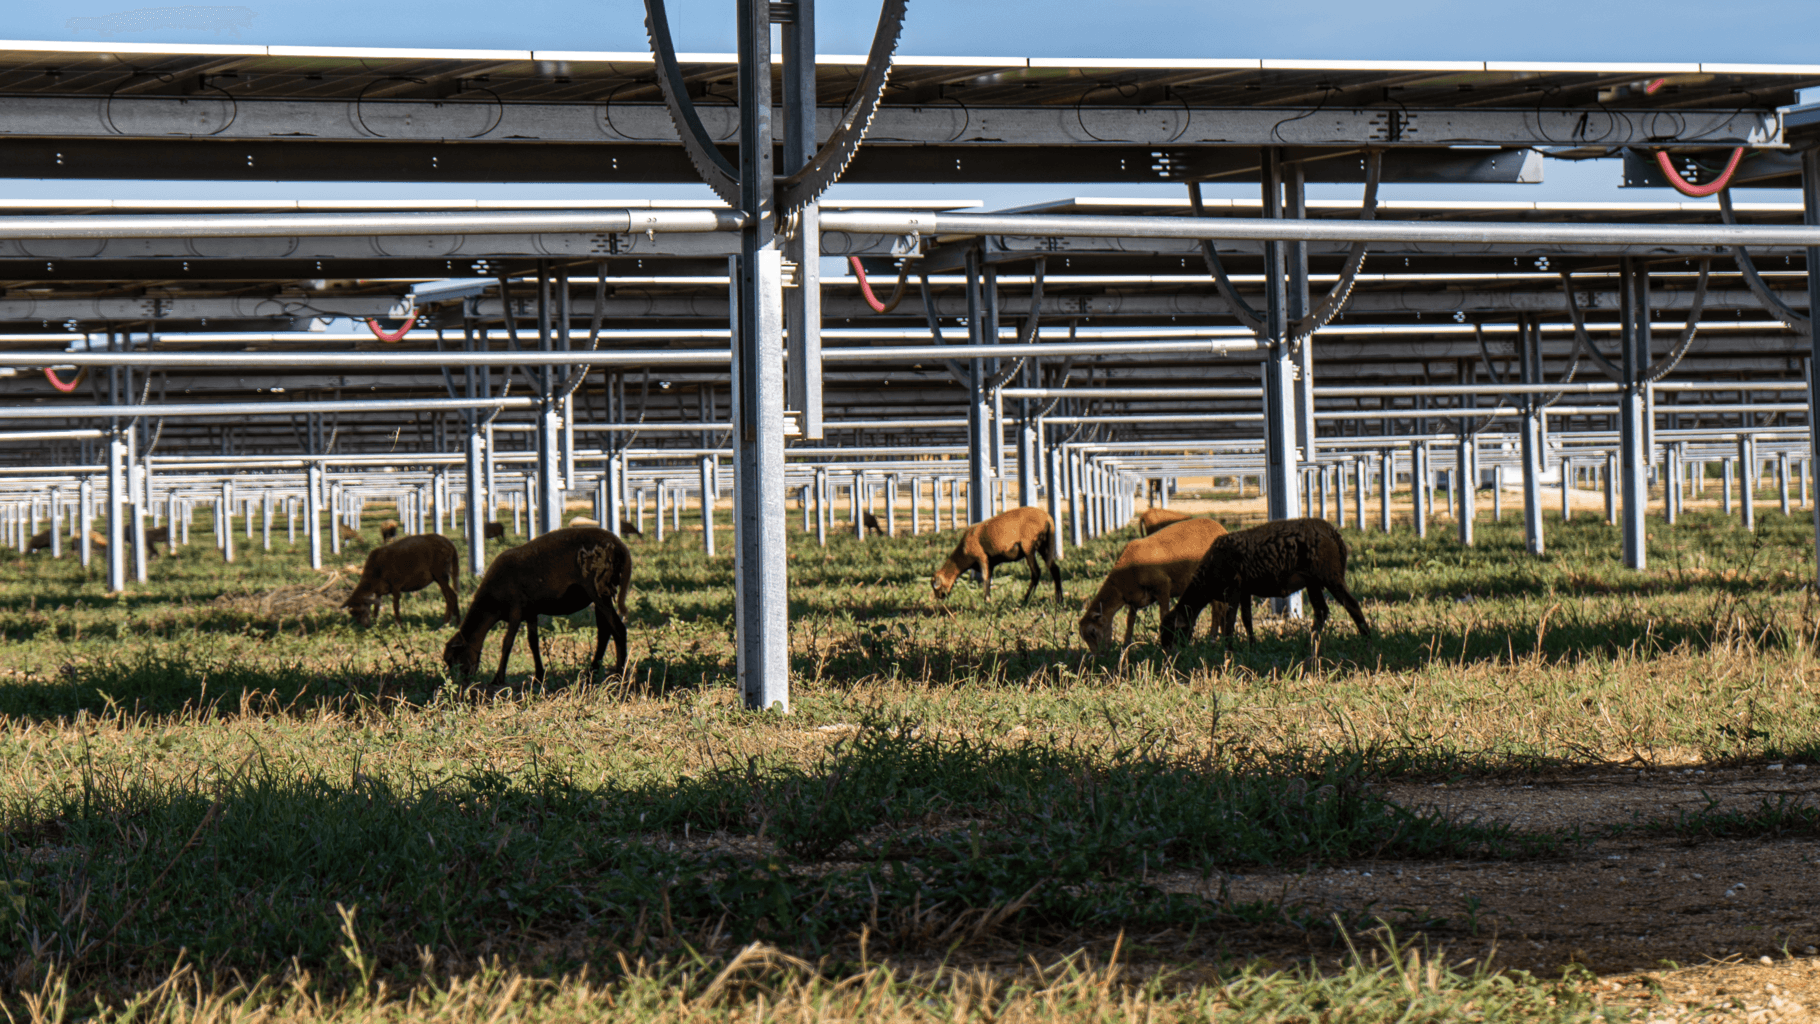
1153	519
406	566
872	524
388	531
493	531
1273	560
349	535
584	521
559	573
1022	534
1151	570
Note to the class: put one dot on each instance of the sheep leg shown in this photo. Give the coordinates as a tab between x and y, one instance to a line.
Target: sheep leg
1319	601
609	624
451	606
1055	573
985	568
1036	576
536	650
1130	621
505	650
1351	604
1245	609
397	619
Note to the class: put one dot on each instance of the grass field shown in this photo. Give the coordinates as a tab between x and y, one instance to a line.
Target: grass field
220	796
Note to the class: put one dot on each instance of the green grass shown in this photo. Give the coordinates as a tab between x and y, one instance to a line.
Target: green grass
190	773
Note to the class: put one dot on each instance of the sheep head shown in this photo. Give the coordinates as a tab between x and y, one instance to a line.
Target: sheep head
1096	622
461	657
361	607
943	582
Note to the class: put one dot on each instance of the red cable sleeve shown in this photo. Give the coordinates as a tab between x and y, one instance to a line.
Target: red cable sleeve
865	286
1714	187
1651	88
398	335
51	375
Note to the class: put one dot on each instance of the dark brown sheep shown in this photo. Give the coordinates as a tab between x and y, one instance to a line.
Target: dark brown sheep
626	529
494	531
388	531
1022	534
559	573
1273	560
1153	519
406	566
872	524
1151	570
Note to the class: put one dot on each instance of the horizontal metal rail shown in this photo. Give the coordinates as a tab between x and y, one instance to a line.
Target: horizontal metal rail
331	225
49	411
925	222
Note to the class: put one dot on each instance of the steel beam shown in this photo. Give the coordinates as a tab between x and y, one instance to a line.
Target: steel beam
1186	130
1810	197
1634	454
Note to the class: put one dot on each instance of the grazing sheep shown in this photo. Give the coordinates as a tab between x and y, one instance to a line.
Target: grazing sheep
349	535
872	524
584	521
1022	534
1273	560
1151	570
1153	519
388	531
41	541
406	566
559	573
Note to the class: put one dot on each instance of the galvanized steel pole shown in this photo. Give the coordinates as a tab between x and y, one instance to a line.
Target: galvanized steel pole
761	612
1633	315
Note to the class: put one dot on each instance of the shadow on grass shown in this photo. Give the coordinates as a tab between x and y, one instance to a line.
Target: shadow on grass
923	841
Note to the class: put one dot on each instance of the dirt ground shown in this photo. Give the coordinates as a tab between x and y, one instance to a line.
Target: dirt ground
1680	929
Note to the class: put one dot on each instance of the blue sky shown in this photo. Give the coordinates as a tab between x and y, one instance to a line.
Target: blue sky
1768	31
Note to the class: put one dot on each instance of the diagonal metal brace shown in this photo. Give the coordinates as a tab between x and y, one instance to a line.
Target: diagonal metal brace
709	163
831	159
1028	333
1754	281
828	163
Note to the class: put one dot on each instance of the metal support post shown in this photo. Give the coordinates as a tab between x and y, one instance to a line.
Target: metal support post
856	520
916	506
1053	491
56	522
227	520
1610	475
980	427
1782	480
1466	482
709	490
477	501
265	511
1567	474
116	512
891	505
489	473
85	511
313	511
802	246
821	506
1529	360
1747	481
1419	496
1633	316
761	613
1810	195
1725	484
1077	499
1387	483
334	511
1279	373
